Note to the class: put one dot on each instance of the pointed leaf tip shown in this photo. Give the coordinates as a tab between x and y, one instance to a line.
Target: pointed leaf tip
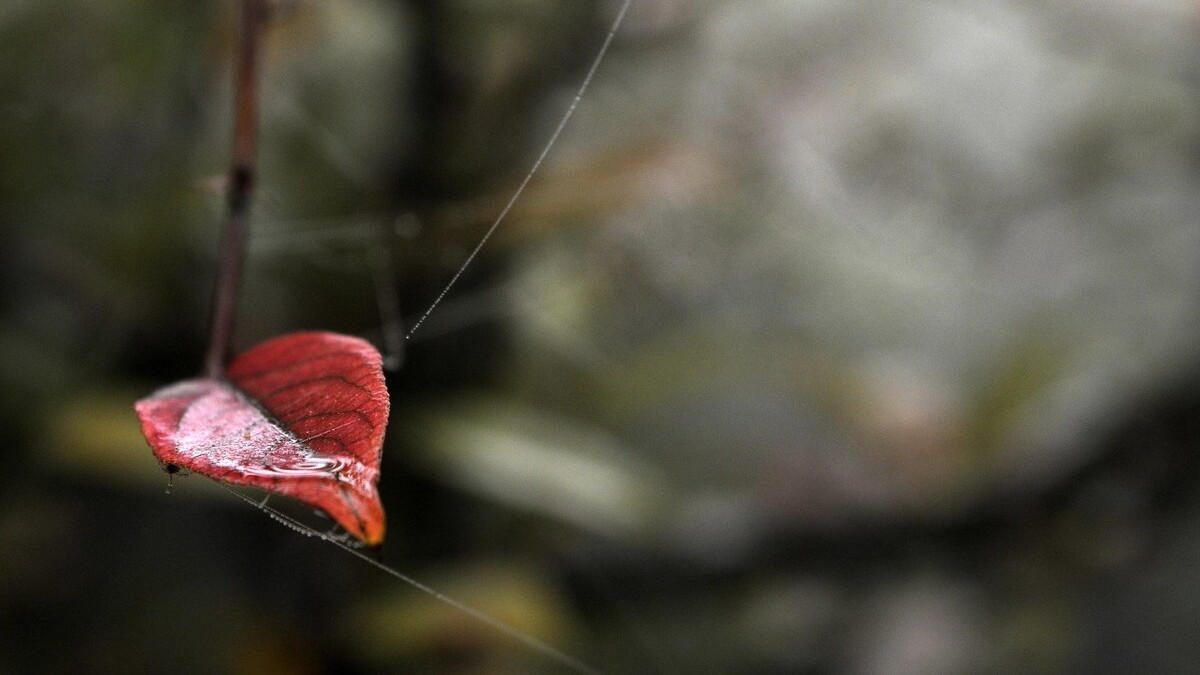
302	415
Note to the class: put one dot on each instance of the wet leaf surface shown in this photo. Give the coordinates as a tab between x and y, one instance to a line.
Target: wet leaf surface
301	415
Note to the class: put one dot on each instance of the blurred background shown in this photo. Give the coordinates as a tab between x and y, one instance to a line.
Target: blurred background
835	337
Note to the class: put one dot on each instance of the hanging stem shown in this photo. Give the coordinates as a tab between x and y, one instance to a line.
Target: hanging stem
241	184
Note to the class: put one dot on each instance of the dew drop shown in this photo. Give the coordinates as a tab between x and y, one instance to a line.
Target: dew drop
313	466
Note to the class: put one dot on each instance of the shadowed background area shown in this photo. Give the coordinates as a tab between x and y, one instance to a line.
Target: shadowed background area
835	337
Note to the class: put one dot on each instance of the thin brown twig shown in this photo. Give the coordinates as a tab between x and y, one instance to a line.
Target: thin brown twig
241	184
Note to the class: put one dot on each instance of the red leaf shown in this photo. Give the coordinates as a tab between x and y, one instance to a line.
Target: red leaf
302	415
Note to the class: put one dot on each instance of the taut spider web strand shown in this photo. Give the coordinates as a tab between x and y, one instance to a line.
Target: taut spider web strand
537	164
531	642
